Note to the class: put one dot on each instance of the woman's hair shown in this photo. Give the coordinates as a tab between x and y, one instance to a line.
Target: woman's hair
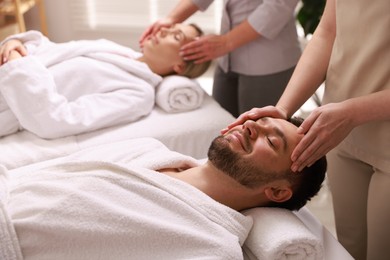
306	183
193	70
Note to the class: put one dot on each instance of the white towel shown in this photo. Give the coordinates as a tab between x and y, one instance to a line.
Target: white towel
115	207
9	244
178	94
280	234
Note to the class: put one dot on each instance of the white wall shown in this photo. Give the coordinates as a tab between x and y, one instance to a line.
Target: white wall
61	27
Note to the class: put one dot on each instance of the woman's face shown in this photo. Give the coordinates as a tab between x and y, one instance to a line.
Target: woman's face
165	46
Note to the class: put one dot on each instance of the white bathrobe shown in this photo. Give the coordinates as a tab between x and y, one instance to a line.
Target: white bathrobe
70	88
108	202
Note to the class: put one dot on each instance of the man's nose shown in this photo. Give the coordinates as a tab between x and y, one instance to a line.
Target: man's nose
252	128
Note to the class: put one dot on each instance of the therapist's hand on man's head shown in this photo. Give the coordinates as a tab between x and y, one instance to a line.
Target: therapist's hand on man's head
324	129
256	113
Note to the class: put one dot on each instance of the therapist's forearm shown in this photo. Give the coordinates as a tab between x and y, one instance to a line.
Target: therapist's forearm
370	108
308	75
241	35
183	10
312	67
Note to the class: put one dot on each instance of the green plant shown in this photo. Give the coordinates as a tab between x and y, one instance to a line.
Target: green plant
309	15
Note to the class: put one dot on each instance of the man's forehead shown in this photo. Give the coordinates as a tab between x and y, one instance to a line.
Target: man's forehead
279	121
284	128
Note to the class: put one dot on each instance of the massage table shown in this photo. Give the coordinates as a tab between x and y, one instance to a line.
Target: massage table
189	133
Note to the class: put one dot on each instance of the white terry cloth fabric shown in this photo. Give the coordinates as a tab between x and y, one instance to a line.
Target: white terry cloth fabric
179	94
75	87
279	234
107	202
9	244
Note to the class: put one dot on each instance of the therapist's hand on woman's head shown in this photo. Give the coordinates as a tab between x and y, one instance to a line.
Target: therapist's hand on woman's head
206	48
152	30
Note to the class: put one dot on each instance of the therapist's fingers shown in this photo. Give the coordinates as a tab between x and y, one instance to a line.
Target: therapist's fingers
191	47
194	51
155	28
256	113
310	149
307	146
199	57
314	150
205	48
325	128
149	33
145	35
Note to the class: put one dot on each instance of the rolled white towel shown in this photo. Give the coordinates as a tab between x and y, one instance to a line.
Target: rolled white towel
279	234
179	94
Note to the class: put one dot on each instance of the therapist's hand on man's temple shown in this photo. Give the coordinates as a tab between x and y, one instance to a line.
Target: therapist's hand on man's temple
324	129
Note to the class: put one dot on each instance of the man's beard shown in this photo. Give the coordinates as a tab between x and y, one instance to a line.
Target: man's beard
226	160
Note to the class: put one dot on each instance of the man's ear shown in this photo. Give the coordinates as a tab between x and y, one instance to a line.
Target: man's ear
278	193
179	68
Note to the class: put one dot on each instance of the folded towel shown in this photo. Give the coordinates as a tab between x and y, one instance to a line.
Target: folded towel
280	234
179	94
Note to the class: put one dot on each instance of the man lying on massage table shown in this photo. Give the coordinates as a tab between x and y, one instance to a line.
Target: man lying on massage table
56	90
138	200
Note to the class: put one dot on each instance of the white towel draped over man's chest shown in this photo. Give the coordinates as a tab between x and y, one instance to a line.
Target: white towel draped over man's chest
110	203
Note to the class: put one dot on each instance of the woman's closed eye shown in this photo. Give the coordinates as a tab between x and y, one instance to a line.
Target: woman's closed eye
178	35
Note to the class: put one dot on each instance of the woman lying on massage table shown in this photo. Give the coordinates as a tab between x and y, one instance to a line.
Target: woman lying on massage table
136	199
55	90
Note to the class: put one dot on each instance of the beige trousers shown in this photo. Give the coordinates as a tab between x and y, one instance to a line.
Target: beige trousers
361	199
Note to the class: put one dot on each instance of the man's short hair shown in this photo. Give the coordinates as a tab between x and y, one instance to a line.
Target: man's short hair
306	183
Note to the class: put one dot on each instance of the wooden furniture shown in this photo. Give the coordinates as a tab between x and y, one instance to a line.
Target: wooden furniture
12	12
